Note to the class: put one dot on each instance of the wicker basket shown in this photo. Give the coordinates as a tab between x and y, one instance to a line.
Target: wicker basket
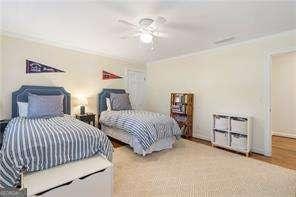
238	125
221	138
239	142
221	123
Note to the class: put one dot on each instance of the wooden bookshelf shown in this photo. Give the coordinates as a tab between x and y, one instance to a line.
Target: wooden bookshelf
182	111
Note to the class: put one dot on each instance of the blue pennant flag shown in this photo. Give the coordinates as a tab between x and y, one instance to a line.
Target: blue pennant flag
35	67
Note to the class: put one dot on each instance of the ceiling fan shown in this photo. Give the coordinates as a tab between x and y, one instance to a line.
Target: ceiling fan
147	30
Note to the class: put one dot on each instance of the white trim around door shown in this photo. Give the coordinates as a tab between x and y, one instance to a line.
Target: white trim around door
267	71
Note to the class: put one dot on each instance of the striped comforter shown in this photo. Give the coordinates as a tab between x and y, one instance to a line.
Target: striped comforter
146	126
37	144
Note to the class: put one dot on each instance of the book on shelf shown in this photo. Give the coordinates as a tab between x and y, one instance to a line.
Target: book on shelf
180	118
178	109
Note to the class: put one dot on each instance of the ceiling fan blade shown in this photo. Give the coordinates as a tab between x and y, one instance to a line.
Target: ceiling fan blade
130	36
136	34
160	20
127	23
183	26
160	34
157	24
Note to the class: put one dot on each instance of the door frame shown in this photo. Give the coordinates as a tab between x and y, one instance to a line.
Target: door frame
134	70
267	68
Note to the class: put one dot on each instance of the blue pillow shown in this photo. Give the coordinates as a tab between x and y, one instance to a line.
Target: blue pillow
120	102
41	106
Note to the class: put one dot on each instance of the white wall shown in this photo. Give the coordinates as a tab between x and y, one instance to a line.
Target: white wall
83	74
228	79
1	85
283	94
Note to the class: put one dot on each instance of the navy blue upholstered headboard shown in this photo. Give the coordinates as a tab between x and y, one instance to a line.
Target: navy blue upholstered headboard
21	95
106	94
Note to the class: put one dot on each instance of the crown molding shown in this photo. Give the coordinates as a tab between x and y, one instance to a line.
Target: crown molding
61	44
64	45
293	31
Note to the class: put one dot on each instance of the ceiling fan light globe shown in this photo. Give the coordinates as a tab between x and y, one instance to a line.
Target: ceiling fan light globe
146	38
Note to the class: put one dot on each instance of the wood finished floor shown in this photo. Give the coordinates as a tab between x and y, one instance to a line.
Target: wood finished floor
283	151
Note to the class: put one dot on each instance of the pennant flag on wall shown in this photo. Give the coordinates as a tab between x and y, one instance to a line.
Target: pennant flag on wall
107	75
35	67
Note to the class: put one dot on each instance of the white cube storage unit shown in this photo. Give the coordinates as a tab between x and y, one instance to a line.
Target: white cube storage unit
232	132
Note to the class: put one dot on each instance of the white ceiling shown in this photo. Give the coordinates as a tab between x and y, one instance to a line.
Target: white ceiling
192	26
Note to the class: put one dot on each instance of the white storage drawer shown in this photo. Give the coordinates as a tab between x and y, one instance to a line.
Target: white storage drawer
238	141
239	125
89	177
221	123
97	184
221	138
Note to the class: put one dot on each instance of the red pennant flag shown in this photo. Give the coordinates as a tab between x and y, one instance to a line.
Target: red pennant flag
107	75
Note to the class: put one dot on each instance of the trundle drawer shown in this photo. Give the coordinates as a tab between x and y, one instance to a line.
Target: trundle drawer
96	184
89	177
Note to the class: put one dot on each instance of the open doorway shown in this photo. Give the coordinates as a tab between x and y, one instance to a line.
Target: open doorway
283	106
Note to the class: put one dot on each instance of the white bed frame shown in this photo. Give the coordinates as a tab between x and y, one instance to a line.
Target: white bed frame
88	177
123	136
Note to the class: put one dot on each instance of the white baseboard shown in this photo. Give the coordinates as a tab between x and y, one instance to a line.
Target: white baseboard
284	134
201	136
258	150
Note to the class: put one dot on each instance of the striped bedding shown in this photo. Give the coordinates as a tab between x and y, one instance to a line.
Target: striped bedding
146	126
37	144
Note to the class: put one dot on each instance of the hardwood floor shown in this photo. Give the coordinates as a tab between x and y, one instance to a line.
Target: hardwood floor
116	143
283	151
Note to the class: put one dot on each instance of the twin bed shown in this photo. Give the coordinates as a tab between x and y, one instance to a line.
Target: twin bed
42	144
38	144
144	131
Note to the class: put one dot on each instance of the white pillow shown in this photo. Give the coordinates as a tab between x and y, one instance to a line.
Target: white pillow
22	109
108	103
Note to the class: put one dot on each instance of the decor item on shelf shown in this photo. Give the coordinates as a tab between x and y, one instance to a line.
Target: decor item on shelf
35	67
232	132
106	75
82	102
182	111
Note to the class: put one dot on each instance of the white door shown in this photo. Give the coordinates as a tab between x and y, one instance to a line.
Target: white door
136	88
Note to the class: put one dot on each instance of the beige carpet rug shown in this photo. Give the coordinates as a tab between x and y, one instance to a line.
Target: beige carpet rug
192	169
